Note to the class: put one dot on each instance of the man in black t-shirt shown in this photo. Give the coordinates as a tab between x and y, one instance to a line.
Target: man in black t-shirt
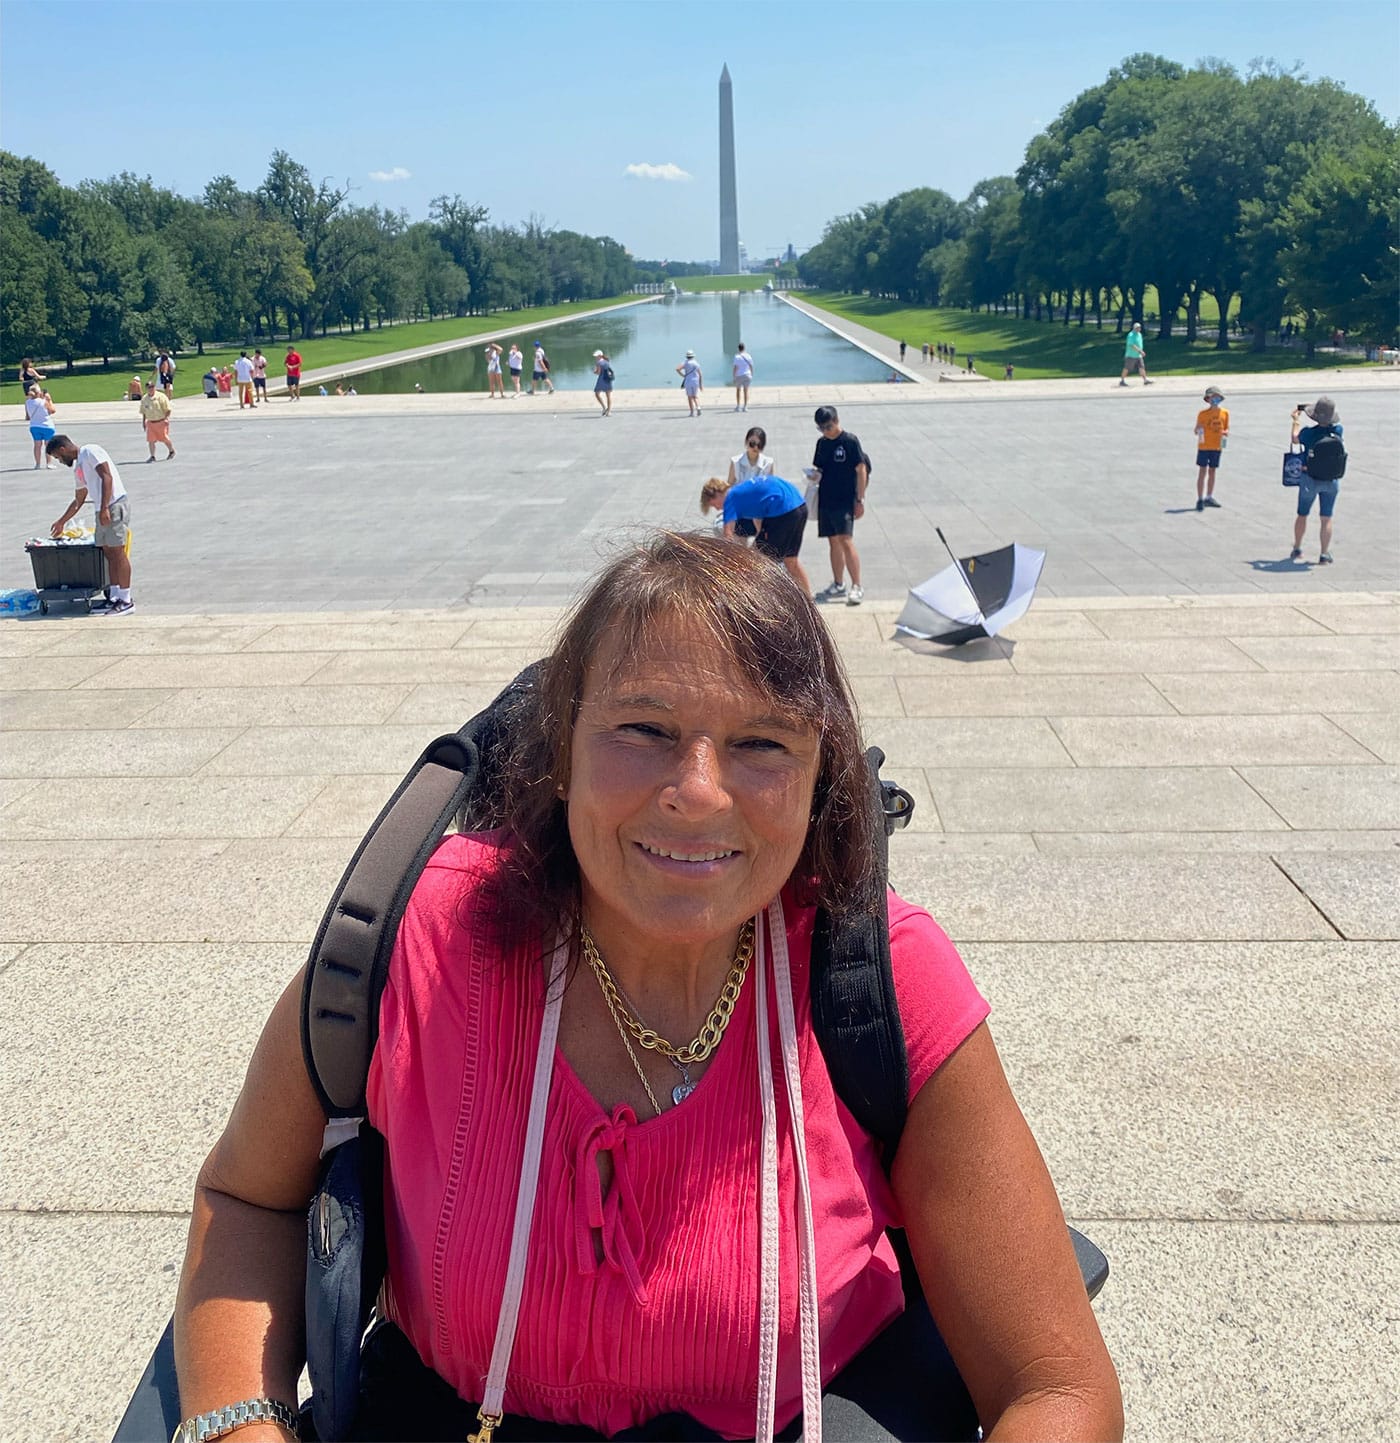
840	465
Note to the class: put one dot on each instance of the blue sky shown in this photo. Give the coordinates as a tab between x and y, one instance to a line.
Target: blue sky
540	108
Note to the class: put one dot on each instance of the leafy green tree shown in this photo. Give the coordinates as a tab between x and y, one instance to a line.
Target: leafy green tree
1342	228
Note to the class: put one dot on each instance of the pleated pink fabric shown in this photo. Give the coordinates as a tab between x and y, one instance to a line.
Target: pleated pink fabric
643	1300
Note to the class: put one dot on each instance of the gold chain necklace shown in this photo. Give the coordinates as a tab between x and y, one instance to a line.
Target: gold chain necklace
711	1030
632	1056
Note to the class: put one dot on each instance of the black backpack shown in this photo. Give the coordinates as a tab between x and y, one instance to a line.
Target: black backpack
854	1011
1326	458
608	375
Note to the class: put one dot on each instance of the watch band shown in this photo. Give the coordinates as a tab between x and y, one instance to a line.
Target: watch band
222	1421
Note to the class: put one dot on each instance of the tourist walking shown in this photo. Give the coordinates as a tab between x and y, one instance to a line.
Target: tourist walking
1212	429
602	387
777	511
743	378
1323	468
165	373
692	381
28	376
902	349
243	373
1134	355
259	377
516	363
539	376
840	470
97	479
38	412
291	363
155	418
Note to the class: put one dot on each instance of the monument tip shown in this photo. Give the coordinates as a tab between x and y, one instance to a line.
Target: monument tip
724	76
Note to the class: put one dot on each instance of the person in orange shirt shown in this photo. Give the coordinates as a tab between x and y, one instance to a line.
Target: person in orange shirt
1212	430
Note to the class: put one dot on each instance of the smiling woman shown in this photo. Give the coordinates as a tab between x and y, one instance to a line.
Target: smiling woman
624	1192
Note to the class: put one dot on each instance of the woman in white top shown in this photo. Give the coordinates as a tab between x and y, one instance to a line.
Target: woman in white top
692	380
751	461
38	411
494	379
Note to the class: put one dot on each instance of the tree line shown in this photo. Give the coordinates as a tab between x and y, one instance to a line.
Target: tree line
1269	191
121	267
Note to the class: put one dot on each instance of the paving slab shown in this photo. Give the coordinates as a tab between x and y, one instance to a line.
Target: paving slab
1274	1333
971	741
124	640
269	706
1073	844
1102	799
108	1078
1326	796
228	669
1036	696
87	1329
498	664
1382	619
322	751
1209	621
400	634
25	641
92	753
71	710
1228	741
1378	732
346	806
1330	692
1171	654
1359	895
444	705
43	673
1120	897
1203	1080
1320	653
106	809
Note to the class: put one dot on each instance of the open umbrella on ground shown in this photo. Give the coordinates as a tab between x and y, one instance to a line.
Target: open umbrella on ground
975	596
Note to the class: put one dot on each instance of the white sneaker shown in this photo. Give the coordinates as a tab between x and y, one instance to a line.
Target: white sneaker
856	597
834	592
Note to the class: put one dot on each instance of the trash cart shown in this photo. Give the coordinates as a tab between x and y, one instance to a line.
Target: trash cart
70	571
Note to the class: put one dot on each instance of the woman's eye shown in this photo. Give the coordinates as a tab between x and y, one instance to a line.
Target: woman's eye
646	729
762	744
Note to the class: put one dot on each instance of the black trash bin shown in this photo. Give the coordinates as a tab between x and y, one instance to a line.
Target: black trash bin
70	571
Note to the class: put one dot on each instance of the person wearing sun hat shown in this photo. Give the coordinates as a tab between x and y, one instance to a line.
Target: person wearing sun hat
692	381
602	388
1212	429
1326	423
540	375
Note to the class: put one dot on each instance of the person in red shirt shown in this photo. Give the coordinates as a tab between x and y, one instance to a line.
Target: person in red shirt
292	361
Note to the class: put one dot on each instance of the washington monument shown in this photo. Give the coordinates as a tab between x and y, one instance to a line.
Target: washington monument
728	201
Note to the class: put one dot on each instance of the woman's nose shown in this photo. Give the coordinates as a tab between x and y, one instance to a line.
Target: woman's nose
698	783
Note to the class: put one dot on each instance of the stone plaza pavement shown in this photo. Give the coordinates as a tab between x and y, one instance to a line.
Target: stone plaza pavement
1165	831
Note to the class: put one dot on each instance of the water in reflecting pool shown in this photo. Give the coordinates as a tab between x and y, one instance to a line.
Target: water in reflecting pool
647	342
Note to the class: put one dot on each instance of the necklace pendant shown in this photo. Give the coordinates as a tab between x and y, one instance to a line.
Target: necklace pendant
681	1091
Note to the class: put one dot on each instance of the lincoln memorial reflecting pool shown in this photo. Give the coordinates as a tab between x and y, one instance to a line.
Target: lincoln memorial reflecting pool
647	342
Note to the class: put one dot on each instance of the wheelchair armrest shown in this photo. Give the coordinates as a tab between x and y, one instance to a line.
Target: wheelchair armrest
154	1411
1093	1266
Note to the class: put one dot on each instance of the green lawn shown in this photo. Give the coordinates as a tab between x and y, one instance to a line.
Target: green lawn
99	383
1042	350
723	283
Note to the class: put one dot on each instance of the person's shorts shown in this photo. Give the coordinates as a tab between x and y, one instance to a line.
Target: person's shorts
260	382
158	431
537	375
42	433
781	536
212	395
515	373
603	386
836	521
1208	458
742	382
1324	492
294	378
116	530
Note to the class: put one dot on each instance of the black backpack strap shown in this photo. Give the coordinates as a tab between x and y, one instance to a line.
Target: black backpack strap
854	1008
349	959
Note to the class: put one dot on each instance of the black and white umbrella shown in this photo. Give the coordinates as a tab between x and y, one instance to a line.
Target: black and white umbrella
975	596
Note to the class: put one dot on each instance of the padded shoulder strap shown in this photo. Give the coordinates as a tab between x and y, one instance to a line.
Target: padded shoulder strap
349	959
854	1008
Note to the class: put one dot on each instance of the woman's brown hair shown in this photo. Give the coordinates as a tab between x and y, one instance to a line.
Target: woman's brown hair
772	633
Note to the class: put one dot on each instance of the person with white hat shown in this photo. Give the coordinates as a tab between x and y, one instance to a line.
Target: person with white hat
1212	430
692	380
602	387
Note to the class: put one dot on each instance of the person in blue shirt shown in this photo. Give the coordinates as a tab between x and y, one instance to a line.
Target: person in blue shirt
1323	414
777	509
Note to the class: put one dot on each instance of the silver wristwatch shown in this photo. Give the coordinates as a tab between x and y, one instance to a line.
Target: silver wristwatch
222	1421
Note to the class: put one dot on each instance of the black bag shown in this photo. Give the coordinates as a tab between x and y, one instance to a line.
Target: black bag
1326	458
608	374
1293	466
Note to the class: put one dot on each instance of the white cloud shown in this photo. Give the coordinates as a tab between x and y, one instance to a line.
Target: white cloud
398	173
669	171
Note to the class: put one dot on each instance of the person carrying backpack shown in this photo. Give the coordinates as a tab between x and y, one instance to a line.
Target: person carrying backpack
619	1191
1324	465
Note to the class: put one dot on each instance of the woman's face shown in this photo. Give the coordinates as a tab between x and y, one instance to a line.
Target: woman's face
689	797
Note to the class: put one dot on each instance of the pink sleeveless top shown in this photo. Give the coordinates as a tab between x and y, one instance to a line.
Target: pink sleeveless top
667	1321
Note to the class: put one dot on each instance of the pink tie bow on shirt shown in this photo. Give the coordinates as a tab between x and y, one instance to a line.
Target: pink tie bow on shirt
616	1219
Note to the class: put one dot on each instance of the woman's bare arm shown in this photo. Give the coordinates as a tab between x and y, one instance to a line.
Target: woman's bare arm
239	1316
994	1255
